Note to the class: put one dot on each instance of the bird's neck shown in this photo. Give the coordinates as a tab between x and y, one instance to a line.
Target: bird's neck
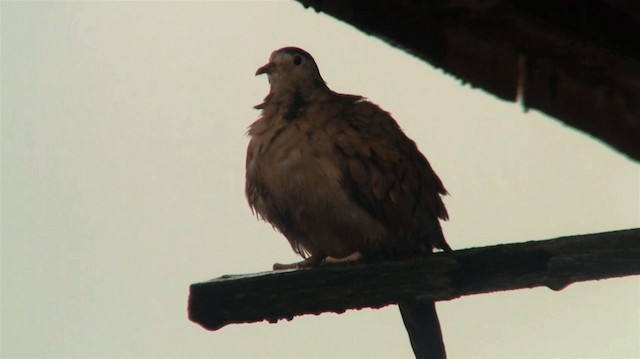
285	91
292	100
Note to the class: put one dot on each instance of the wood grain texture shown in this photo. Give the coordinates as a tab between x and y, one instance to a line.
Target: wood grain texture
554	263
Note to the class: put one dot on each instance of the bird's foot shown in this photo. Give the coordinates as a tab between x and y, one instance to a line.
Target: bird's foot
312	261
351	258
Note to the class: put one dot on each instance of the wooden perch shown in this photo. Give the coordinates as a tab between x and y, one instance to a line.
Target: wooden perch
553	263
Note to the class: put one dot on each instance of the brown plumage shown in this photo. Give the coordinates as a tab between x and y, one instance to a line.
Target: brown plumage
338	177
335	173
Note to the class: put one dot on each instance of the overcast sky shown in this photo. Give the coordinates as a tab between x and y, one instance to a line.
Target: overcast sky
123	144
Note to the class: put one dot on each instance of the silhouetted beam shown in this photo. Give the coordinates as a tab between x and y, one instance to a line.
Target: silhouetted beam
574	60
553	263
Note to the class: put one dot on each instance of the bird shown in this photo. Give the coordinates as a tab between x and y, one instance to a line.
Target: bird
339	178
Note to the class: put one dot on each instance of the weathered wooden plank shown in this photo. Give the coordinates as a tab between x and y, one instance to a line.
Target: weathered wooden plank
553	263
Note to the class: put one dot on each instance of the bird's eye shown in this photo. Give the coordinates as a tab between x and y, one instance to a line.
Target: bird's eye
297	60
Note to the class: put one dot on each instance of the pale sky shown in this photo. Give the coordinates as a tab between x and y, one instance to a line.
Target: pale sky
123	144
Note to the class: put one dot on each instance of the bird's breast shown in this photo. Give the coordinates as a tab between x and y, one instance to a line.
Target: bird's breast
290	159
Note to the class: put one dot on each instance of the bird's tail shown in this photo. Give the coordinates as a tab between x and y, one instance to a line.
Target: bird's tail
421	320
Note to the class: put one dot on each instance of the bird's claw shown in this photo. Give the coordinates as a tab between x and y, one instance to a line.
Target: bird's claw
351	258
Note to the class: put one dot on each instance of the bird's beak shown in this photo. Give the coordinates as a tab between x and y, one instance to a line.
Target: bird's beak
266	69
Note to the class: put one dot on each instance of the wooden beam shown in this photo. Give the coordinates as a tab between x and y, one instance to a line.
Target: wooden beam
554	263
574	60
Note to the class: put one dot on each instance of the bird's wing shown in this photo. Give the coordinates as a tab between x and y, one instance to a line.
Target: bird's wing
383	172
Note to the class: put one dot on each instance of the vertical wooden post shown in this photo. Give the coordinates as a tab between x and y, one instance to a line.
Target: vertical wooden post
421	320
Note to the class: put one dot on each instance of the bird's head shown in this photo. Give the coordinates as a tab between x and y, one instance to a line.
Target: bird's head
292	69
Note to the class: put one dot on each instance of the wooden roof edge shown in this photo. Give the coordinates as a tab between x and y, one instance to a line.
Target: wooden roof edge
576	61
